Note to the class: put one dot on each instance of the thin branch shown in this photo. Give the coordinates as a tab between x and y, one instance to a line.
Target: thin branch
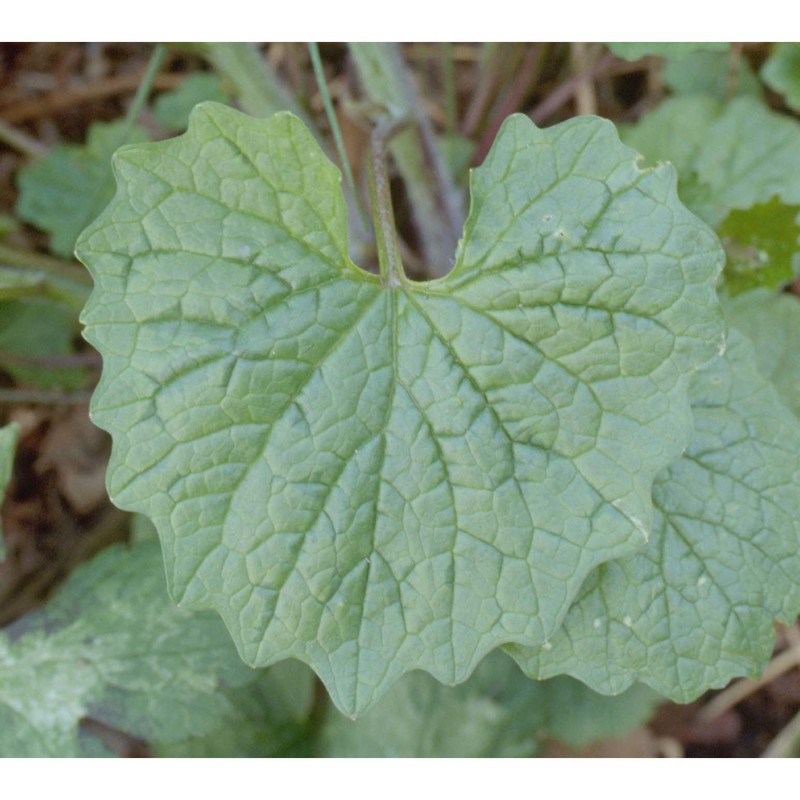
43	397
54	102
21	142
566	91
582	61
787	743
526	77
29	260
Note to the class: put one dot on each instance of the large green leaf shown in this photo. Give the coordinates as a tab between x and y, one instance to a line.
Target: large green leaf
112	646
697	607
379	478
772	323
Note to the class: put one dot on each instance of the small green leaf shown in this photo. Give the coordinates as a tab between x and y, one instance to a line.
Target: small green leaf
728	155
268	718
376	479
8	447
66	189
7	225
578	716
37	326
781	72
697	607
772	323
709	72
763	246
172	109
112	646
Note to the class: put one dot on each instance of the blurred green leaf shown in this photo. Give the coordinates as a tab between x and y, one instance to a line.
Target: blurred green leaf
64	191
709	72
781	72
268	718
172	109
633	51
497	713
772	323
728	155
38	326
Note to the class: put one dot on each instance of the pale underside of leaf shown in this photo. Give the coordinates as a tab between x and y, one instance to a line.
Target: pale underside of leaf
374	480
696	608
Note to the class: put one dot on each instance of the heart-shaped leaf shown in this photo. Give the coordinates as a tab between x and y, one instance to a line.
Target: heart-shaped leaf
378	478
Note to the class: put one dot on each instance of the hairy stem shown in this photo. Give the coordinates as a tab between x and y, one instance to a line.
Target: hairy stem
391	264
435	201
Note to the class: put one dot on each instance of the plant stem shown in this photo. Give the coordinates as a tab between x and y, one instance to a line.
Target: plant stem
319	73
435	201
144	89
567	90
391	264
449	87
43	263
581	58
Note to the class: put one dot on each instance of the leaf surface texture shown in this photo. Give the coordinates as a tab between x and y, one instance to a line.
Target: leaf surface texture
376	479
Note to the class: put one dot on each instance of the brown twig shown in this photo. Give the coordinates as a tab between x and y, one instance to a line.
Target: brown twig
742	689
606	65
581	57
784	745
79	95
121	744
21	142
525	79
